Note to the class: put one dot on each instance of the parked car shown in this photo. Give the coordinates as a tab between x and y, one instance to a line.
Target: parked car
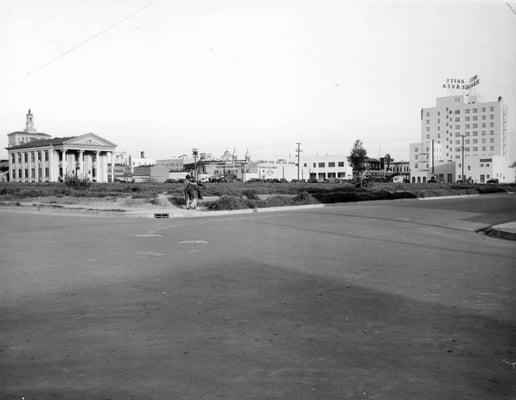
492	180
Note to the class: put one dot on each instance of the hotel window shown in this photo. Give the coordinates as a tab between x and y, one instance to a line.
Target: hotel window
466	149
304	165
427	114
474	111
438	113
341	163
322	165
475	148
475	118
483	148
483	117
457	111
416	157
466	110
438	128
438	120
32	156
491	124
466	134
475	126
491	108
415	165
491	140
457	119
331	164
427	129
46	155
483	124
457	142
428	136
26	157
492	148
491	132
467	126
457	149
483	109
475	140
491	116
466	119
457	126
467	141
484	140
314	165
475	133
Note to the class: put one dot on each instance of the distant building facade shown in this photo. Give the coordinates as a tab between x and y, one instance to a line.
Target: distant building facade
37	157
459	134
326	167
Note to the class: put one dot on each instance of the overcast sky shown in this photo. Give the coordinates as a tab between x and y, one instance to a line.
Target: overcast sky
165	76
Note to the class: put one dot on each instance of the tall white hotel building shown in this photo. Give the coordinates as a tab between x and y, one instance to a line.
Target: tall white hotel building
462	129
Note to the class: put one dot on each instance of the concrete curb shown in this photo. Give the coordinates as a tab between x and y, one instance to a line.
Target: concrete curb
198	214
503	231
458	196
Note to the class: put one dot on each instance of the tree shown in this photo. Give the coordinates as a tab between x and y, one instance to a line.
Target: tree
388	159
357	157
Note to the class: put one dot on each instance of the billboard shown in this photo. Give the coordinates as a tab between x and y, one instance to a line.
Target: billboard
461	84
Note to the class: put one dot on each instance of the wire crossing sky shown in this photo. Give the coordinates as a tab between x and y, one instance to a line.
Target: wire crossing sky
166	76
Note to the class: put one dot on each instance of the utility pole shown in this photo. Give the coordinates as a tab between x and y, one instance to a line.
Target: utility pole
195	152
463	180
298	151
433	156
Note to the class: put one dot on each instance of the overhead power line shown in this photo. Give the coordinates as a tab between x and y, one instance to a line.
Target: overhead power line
53	60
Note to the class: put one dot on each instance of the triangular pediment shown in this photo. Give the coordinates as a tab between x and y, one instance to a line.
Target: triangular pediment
89	139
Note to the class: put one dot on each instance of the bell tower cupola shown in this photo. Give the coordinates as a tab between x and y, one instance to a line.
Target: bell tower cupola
29	125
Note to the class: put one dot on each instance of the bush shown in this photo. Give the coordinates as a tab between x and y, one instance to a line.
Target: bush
250	194
77	183
228	203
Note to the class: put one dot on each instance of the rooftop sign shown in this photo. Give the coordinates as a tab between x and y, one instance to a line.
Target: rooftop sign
456	83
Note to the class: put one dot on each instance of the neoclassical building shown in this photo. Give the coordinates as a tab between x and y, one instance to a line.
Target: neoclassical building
37	157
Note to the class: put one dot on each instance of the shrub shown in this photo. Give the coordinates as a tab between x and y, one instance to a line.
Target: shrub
77	183
250	194
228	203
279	201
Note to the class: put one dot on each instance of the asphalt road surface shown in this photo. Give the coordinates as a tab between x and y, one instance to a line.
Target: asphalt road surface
377	300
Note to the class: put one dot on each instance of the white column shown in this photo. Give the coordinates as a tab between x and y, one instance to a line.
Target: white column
36	166
28	165
11	166
112	167
64	163
42	165
51	164
81	162
98	177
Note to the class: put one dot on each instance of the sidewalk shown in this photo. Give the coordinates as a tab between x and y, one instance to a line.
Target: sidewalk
504	231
